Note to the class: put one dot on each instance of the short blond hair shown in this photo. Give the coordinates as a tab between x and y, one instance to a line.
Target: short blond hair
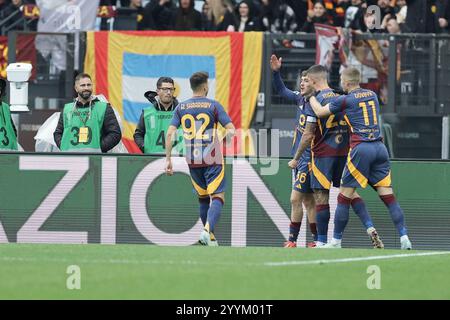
352	75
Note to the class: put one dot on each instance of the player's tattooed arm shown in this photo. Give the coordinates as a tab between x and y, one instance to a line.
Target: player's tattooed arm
169	137
305	142
319	110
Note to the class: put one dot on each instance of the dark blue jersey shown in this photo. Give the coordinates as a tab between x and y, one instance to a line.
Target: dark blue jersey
361	109
300	119
199	117
331	136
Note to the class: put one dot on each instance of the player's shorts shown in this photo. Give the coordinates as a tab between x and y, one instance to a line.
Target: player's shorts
208	180
302	177
367	163
327	171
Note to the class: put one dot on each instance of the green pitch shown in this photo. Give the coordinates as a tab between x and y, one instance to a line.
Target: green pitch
152	272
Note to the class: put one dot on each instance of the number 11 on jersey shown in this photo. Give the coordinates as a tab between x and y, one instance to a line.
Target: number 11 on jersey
364	106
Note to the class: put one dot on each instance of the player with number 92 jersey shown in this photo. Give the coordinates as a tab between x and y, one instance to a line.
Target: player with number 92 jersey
199	117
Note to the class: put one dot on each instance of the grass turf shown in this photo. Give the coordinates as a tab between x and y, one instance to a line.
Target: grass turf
154	272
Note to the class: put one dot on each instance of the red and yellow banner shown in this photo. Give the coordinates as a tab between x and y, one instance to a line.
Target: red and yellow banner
125	64
25	52
3	56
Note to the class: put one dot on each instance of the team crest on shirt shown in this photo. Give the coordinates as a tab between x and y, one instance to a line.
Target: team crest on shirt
338	139
301	107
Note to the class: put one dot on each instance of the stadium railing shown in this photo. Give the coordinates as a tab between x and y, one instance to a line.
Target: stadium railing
416	96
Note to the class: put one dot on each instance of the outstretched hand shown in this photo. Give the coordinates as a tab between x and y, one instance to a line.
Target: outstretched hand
275	63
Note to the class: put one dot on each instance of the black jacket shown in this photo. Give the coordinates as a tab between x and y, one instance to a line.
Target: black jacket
139	133
162	16
187	20
309	27
110	134
420	17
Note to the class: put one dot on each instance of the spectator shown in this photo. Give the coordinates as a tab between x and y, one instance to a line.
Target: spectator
220	18
300	8
385	8
370	22
205	18
158	15
338	12
444	16
123	3
319	15
256	8
354	15
401	9
186	17
278	17
147	23
247	21
13	8
421	17
137	5
392	26
3	5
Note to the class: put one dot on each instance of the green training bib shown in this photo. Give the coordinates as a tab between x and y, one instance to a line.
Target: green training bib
156	124
82	127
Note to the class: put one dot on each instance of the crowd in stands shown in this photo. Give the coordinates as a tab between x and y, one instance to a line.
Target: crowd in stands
279	16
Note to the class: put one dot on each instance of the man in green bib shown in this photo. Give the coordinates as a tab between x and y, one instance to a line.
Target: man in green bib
8	133
87	124
150	134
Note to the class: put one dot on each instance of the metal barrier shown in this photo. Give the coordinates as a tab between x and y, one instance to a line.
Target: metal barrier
415	98
54	68
418	87
6	25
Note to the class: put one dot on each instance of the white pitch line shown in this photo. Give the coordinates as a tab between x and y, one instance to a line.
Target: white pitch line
214	263
329	261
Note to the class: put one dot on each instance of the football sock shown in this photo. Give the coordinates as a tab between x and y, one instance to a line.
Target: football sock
204	207
396	213
313	228
341	215
360	209
323	218
214	213
294	229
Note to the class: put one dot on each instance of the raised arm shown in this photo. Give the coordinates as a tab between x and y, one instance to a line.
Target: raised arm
277	82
